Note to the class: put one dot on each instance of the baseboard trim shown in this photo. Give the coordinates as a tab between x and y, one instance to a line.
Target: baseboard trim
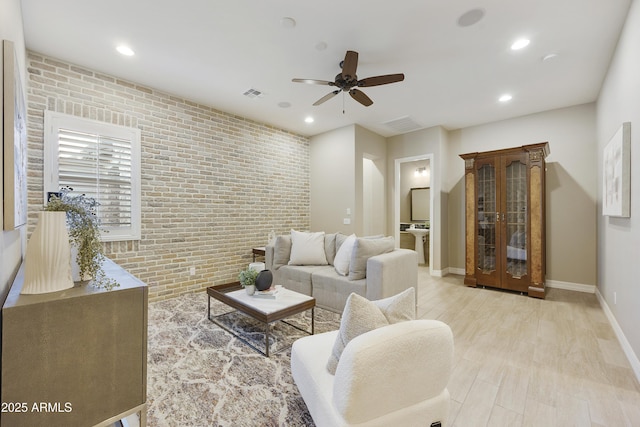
569	286
626	346
440	273
447	271
458	271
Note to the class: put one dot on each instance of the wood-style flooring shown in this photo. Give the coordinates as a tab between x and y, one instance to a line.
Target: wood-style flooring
522	361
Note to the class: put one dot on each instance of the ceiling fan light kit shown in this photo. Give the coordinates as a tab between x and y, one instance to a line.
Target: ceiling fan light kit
347	81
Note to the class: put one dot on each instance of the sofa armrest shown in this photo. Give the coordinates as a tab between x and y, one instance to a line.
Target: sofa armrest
391	273
268	257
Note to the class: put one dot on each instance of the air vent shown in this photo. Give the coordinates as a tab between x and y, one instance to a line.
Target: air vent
403	124
253	93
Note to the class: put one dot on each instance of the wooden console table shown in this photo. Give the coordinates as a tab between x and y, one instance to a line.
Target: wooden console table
76	357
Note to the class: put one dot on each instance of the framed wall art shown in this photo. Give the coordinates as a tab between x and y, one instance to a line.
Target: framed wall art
616	174
14	141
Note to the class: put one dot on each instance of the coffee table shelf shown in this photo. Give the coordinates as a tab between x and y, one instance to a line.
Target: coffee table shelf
264	310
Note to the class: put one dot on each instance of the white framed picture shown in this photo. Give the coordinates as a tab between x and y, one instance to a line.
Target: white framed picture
14	142
616	194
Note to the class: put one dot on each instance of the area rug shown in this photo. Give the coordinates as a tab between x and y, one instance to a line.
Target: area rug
200	375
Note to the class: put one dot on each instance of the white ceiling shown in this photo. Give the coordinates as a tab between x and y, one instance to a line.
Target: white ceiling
212	51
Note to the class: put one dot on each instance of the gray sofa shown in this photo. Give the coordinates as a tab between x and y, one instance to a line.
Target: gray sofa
386	274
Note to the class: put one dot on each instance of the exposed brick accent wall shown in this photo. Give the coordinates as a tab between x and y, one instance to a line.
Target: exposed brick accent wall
213	184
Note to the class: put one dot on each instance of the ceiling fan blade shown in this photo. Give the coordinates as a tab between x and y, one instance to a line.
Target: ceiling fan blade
349	65
326	97
314	82
360	96
380	80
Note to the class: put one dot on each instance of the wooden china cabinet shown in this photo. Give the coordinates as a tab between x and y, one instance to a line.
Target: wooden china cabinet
505	219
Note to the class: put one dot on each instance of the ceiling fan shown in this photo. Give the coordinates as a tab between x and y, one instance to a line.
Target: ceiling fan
347	81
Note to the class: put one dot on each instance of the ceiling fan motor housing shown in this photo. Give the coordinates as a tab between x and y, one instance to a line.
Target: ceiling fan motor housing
346	84
347	81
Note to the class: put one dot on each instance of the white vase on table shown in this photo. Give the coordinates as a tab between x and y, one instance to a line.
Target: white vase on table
48	257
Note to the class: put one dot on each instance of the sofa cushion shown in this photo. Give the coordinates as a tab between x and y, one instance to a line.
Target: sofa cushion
297	277
343	256
361	315
365	248
331	290
307	248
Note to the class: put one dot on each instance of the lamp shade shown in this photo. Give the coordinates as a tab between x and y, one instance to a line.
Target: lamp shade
48	256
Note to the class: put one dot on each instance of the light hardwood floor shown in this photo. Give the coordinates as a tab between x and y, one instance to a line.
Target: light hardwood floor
521	361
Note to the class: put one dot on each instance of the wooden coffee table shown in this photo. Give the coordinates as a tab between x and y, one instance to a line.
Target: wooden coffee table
265	310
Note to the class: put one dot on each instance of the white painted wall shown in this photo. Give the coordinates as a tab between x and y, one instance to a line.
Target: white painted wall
618	261
338	181
373	197
333	180
371	219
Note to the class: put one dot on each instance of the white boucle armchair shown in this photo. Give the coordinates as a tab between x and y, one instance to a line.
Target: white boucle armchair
396	375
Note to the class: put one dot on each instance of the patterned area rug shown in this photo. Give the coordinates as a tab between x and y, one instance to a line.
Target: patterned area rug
200	375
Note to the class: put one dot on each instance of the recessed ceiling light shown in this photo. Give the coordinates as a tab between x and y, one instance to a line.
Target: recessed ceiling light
125	50
287	22
308	119
520	44
505	98
549	57
471	17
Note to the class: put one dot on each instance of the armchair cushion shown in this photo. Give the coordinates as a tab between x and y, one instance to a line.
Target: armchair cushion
361	315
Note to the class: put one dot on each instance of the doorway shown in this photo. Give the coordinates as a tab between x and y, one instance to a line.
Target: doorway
399	196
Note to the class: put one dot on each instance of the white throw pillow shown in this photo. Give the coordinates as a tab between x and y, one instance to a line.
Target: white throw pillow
361	316
343	256
307	248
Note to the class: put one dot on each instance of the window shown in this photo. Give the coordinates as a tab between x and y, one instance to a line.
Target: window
100	160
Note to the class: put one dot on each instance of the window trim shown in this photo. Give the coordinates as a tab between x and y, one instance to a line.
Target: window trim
54	121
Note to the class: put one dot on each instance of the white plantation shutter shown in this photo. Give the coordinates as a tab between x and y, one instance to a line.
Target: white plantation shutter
100	160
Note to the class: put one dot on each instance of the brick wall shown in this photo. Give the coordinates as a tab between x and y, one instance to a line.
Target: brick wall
213	184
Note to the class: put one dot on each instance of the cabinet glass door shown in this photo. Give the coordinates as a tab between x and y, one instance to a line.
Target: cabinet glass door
486	221
516	219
